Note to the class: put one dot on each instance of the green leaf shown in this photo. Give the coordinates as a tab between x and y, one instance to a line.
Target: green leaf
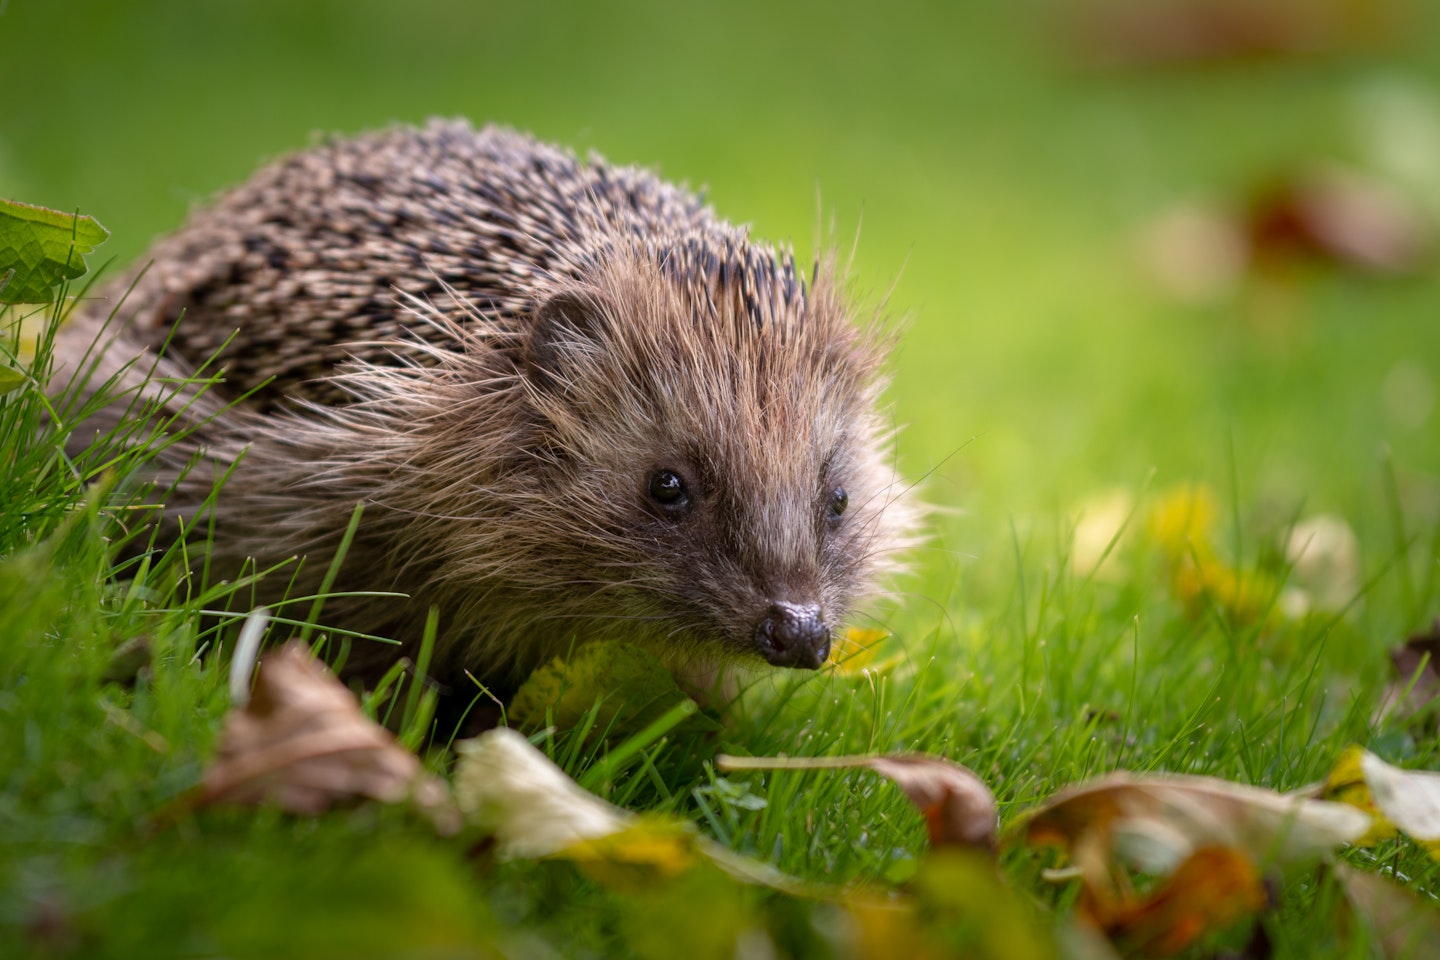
10	378
635	688
40	247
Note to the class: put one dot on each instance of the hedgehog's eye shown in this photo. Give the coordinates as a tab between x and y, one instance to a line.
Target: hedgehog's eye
839	500
668	490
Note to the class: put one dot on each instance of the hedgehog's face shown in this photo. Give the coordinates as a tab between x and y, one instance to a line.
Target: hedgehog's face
794	627
748	559
728	474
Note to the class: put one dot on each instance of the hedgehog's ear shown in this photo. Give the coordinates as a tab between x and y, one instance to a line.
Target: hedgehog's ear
563	334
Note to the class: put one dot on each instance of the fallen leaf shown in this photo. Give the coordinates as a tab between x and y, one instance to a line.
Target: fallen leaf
1205	838
1181	524
958	807
1323	215
1195	251
1324	557
1155	823
11	379
512	791
1213	888
1102	521
1200	581
1182	519
1403	800
302	743
517	794
1417	662
1346	784
1406	926
1338	217
1129	34
630	685
854	653
643	851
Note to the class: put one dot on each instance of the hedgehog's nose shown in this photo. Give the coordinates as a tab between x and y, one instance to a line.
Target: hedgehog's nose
794	635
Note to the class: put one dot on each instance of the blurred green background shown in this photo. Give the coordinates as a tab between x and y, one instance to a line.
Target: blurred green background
1090	217
1001	184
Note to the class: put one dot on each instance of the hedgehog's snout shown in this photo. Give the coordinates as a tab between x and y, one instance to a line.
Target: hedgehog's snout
794	635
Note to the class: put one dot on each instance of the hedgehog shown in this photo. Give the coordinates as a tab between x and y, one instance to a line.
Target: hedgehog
572	403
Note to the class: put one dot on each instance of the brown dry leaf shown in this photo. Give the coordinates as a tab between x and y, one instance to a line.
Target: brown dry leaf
302	743
1403	800
1405	925
1335	218
1154	823
958	807
1204	836
1118	34
1418	664
1338	217
1213	888
1157	825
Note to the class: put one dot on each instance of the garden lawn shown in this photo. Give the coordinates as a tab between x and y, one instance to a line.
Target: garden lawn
1123	479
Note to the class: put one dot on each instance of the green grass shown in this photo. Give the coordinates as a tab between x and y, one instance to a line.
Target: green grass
1040	369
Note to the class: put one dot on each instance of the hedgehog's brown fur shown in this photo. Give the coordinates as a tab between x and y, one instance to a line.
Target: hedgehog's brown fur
494	345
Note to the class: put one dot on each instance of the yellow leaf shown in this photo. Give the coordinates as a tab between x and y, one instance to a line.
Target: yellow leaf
1182	519
1403	800
887	927
648	849
507	787
1102	520
1346	784
855	653
1201	580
